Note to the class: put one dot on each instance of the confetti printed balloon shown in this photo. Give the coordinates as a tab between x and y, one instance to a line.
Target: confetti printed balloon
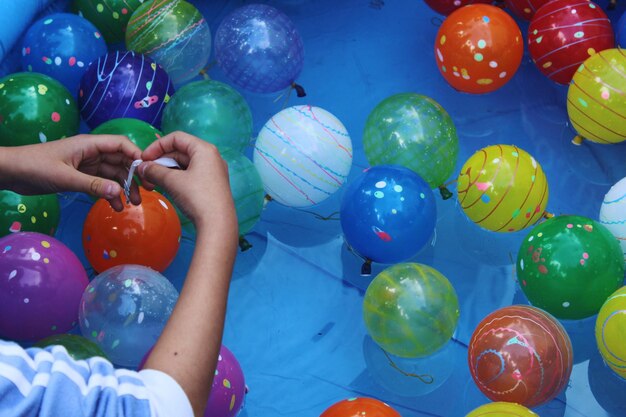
445	7
410	310
229	387
35	108
478	48
388	214
611	331
41	282
502	188
520	354
212	111
568	266
303	155
173	33
77	346
124	84
62	45
147	234
413	131
360	407
595	99
124	310
259	48
564	33
109	16
501	409
525	9
28	213
139	132
613	212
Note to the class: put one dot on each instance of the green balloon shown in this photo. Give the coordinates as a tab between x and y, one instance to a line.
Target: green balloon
28	213
569	266
109	16
410	310
78	347
139	132
35	108
413	131
212	111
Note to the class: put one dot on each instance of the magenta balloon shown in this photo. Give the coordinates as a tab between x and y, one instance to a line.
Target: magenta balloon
41	284
228	389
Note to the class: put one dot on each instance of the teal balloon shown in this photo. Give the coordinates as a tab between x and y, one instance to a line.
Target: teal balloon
212	111
413	131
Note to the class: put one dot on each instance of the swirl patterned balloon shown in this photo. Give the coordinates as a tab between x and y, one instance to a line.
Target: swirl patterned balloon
501	409
28	213
564	33
109	16
303	155
173	33
502	188
613	212
124	84
525	9
410	310
595	98
520	354
610	326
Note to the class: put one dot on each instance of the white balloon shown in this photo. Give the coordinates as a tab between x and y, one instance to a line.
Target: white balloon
613	212
303	155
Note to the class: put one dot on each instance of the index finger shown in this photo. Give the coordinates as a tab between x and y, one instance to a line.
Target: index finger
175	142
107	144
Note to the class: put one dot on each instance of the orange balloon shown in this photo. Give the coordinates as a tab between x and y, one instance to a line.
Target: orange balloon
478	48
360	407
147	234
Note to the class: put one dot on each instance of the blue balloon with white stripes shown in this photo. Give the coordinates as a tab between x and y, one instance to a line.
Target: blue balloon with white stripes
613	212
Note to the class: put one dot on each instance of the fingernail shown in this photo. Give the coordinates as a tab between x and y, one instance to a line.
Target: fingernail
109	190
141	169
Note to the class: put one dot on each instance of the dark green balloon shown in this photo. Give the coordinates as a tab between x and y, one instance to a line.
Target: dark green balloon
139	132
109	16
28	213
569	266
77	346
35	108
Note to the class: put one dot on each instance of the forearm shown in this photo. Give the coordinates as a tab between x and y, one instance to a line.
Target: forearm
7	167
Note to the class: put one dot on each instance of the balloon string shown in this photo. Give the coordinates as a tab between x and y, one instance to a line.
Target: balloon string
332	216
205	71
425	378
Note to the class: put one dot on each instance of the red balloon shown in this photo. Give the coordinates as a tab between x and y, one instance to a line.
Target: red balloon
148	234
520	354
360	407
564	33
478	48
445	7
525	9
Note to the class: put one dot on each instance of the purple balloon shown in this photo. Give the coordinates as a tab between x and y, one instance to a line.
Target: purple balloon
259	48
228	389
124	84
41	284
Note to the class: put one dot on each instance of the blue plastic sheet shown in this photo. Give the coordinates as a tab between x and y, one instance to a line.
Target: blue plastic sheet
295	308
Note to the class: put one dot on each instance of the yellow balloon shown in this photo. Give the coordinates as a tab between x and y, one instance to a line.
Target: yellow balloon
502	188
501	409
611	332
595	98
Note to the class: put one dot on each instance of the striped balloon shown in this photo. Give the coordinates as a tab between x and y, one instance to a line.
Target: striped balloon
610	326
564	33
501	409
502	188
595	99
303	155
613	212
525	9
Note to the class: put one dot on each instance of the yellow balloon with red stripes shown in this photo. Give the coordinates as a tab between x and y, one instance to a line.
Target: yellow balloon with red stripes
596	98
503	188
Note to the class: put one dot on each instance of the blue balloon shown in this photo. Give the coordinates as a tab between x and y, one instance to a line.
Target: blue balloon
388	213
620	30
259	49
62	45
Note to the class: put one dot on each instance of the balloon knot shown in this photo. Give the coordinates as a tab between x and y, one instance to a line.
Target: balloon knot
244	245
445	193
299	90
578	140
366	268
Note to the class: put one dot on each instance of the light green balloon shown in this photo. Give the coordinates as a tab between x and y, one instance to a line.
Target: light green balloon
212	111
413	131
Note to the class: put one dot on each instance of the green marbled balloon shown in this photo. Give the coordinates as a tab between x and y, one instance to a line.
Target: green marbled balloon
212	111
109	16
35	108
411	310
28	213
78	347
139	132
413	131
569	266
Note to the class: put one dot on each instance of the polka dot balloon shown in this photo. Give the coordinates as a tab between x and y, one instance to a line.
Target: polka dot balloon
502	188
613	212
595	98
478	48
568	266
525	9
28	213
360	407
109	16
564	33
611	331
229	387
